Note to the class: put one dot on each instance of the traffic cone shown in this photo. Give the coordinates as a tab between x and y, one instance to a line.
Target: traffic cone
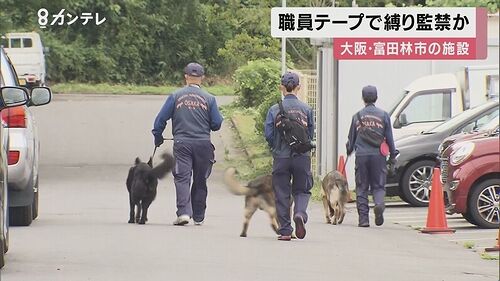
436	218
497	247
341	168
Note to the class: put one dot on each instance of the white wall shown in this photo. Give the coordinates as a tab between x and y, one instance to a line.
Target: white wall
390	77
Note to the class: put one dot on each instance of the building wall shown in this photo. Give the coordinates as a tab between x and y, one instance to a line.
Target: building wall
390	78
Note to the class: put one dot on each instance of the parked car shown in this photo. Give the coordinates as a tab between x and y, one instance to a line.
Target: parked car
431	100
27	53
9	96
470	172
23	149
486	130
412	174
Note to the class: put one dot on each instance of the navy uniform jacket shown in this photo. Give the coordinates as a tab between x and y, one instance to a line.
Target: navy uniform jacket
293	105
194	114
378	120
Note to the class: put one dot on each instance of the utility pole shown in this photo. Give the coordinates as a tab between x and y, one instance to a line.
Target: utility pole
283	46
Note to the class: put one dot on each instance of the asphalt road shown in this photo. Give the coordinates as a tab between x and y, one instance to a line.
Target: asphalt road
88	144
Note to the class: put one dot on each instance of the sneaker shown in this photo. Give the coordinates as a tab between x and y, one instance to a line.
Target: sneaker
300	228
284	237
379	215
363	224
199	223
182	220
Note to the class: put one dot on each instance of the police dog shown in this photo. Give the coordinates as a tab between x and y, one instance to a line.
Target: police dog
335	196
142	181
259	194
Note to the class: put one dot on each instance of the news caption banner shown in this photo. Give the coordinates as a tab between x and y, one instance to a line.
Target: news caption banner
389	33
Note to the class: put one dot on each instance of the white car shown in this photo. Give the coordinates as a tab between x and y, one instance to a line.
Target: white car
23	149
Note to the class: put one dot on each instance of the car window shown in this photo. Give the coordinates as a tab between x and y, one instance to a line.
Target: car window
4	42
428	107
479	122
8	74
15	43
27	43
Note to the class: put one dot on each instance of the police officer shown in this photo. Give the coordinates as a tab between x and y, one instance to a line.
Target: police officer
288	165
194	114
371	169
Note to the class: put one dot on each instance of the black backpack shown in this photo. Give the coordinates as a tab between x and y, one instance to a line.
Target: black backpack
292	132
368	135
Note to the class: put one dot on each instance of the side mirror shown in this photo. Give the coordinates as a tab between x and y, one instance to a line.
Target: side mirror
46	50
13	96
40	96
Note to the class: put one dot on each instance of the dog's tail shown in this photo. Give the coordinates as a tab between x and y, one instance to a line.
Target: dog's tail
161	170
234	185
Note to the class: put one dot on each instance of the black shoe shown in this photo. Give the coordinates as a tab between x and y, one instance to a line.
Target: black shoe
379	215
300	228
363	224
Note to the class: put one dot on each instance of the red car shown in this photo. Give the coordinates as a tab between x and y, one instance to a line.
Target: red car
470	172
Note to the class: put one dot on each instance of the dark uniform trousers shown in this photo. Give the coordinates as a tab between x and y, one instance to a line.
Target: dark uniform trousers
297	169
371	171
192	159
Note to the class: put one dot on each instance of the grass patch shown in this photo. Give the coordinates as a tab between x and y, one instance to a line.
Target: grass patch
486	256
258	159
469	244
123	89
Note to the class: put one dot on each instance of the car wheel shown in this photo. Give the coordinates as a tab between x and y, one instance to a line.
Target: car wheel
416	182
467	216
21	216
483	203
34	208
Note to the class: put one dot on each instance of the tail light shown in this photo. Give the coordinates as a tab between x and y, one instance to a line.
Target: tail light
13	157
14	117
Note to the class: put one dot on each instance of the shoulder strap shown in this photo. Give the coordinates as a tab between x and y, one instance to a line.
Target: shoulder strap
359	119
282	110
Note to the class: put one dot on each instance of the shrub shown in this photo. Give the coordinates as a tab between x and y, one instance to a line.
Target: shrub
257	81
262	110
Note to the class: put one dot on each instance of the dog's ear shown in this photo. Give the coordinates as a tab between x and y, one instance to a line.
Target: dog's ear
150	162
164	167
137	161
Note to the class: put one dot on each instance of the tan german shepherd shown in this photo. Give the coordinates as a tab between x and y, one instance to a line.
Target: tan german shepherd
335	196
259	194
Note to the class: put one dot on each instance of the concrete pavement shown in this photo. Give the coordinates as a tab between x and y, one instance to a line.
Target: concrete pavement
82	231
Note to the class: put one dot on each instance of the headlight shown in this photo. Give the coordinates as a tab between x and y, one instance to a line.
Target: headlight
462	153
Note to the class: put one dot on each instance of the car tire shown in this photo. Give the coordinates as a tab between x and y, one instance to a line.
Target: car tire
482	203
417	193
34	208
467	216
21	216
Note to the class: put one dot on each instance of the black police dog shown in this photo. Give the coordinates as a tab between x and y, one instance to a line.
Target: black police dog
142	181
259	194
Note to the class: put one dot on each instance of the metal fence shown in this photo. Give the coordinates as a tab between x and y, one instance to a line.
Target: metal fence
309	94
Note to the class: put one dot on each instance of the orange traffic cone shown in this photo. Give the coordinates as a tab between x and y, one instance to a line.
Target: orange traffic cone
497	247
436	219
341	168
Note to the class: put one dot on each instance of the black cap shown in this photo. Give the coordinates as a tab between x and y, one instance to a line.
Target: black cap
369	92
290	78
194	69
